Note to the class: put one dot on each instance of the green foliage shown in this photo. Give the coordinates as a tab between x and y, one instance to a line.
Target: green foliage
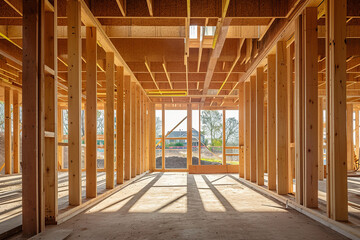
216	142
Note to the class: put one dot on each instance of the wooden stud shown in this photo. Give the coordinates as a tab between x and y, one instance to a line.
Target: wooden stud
311	108
299	113
357	133
189	136
8	162
128	141
119	76
74	100
16	132
152	135
241	129
253	128
260	126
91	112
133	129
224	137
50	114
271	122
281	119
265	138
349	136
320	141
147	135
60	132
163	136
138	130
290	120
337	191
247	131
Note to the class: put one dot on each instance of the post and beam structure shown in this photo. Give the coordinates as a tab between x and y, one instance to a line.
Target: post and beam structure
247	130
133	130
189	136
241	130
7	113
16	131
253	128
127	134
119	77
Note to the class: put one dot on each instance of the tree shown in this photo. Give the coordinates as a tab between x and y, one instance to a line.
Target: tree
231	131
211	124
158	126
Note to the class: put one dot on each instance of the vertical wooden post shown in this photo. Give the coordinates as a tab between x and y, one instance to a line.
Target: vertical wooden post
271	122
349	136
143	135
109	120
74	100
337	191
32	141
281	119
199	135
147	135
299	113
138	130
8	153
119	76
260	126
163	136
290	120
91	112
189	136
16	132
60	137
265	139
128	142
320	141
241	129
253	128
247	131
133	130
311	108
224	137
50	111
152	135
357	132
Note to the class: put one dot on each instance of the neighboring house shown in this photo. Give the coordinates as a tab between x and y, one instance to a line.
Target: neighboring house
182	134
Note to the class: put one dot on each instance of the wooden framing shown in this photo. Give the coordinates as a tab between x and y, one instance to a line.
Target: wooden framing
349	137
247	131
253	128
7	111
128	141
320	140
162	137
311	108
299	112
50	115
241	129
16	131
260	126
281	119
74	100
271	124
356	132
152	135
119	77
91	112
337	199
223	137
189	136
138	130
133	129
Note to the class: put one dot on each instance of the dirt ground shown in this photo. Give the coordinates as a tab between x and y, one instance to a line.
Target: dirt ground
180	162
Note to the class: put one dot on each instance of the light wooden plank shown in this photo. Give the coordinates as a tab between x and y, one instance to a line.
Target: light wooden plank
119	77
133	130
349	136
7	140
247	131
91	112
60	137
271	122
336	109
152	136
241	129
109	120
138	130
265	136
162	136
189	135
16	132
50	107
260	126
281	119
74	100
320	140
253	128
299	122
127	93
357	133
224	137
